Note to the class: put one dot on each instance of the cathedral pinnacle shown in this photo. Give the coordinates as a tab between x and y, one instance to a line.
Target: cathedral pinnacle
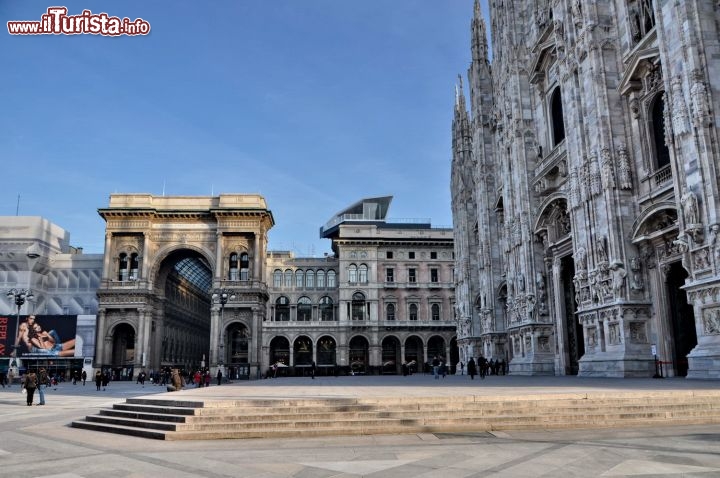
478	41
459	95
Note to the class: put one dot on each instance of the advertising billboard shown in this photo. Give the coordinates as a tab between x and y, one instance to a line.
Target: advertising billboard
38	335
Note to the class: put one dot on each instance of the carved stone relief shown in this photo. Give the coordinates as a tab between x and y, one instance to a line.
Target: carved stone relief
638	333
701	106
636	279
618	278
614	334
711	321
592	338
624	174
544	344
679	108
608	173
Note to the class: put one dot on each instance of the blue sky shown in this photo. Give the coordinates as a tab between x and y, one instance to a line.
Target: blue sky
314	104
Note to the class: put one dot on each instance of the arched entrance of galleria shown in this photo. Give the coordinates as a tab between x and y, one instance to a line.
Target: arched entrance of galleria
183	283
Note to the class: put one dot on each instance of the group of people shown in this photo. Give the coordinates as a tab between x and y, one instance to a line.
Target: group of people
33	381
483	367
202	378
439	367
102	379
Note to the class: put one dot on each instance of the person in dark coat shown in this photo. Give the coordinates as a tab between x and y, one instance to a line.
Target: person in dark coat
98	379
219	376
312	370
30	384
471	368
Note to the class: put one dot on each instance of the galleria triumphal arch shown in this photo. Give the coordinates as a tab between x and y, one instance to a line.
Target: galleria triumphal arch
184	283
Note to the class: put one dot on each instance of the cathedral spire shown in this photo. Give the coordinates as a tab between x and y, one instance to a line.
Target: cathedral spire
461	122
478	40
459	96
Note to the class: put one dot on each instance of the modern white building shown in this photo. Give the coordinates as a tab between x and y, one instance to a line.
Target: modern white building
36	256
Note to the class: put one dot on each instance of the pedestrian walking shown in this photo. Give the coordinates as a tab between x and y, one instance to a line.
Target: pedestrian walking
98	380
43	382
219	376
436	367
30	384
84	377
105	380
471	369
312	370
483	365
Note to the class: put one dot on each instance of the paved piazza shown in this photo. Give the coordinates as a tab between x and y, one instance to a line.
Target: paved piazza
37	441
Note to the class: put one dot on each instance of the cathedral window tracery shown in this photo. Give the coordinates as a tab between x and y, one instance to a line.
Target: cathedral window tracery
657	124
642	18
556	117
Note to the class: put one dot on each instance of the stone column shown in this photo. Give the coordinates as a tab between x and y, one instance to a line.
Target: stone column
254	348
100	334
342	355
139	339
218	256
145	257
375	356
558	304
108	256
264	359
256	262
658	291
214	334
145	359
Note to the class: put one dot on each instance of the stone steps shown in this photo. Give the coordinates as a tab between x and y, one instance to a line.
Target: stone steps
318	414
264	418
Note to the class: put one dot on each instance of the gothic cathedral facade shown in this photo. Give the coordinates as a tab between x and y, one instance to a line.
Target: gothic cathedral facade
585	188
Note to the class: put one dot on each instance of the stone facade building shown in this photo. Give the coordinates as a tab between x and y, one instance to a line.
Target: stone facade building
188	282
585	188
184	282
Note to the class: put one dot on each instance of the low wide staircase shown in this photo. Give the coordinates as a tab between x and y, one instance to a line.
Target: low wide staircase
168	419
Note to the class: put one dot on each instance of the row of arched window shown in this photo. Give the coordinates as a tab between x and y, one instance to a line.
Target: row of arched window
358	273
304	309
304	279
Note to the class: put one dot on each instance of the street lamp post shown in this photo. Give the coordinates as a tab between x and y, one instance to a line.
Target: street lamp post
222	296
19	296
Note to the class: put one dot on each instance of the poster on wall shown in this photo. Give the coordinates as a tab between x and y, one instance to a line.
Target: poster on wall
38	335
